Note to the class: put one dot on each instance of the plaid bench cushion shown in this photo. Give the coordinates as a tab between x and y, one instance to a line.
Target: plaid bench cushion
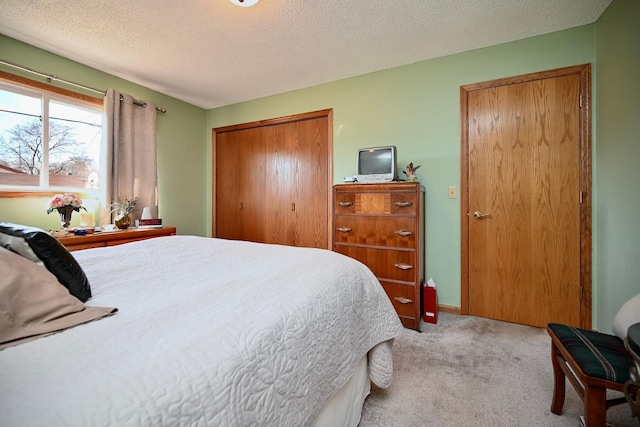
598	355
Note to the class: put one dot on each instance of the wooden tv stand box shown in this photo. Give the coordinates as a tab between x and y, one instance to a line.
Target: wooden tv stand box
112	238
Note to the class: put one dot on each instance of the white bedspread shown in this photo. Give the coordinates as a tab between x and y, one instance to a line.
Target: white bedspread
209	332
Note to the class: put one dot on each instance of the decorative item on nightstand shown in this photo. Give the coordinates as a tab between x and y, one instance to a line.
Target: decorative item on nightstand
65	204
146	213
148	221
123	208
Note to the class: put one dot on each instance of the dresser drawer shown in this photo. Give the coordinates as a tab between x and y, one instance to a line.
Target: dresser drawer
404	203
402	297
81	246
376	203
345	203
397	232
385	263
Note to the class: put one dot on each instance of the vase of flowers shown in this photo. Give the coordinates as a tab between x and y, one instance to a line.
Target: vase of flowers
123	209
65	204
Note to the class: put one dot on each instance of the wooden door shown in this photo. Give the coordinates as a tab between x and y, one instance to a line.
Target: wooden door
240	185
524	219
296	159
281	171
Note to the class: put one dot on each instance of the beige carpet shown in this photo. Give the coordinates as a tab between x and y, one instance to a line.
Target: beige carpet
470	371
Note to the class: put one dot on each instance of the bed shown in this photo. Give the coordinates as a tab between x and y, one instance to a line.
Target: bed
209	332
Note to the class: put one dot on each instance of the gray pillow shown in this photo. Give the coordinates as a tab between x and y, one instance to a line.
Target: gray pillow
38	246
33	304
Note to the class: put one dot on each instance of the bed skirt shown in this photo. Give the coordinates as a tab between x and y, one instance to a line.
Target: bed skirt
345	407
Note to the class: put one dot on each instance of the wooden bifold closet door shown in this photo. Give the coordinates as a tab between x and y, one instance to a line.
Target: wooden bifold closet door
271	180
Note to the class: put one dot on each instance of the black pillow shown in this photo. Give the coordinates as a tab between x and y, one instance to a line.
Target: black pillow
40	247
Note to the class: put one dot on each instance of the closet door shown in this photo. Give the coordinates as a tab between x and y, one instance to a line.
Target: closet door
240	185
306	142
296	166
280	172
272	180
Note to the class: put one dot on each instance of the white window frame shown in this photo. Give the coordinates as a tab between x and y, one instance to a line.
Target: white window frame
48	93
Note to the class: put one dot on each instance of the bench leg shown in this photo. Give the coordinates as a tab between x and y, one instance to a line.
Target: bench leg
595	406
558	382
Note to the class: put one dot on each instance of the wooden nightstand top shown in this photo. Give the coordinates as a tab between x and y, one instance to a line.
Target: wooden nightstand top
111	238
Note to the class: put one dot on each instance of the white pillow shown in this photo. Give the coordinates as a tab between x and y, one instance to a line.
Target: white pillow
629	314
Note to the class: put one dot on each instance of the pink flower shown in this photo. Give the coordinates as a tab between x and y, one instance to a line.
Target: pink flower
67	200
57	201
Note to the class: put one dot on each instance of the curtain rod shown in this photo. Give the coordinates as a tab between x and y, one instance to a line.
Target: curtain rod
52	77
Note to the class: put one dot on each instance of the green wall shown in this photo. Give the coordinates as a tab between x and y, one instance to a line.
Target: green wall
617	173
417	108
181	133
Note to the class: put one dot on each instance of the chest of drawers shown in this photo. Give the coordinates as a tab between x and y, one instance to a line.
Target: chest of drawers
381	226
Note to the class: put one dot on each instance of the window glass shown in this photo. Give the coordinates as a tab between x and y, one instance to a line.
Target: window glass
75	135
20	137
41	133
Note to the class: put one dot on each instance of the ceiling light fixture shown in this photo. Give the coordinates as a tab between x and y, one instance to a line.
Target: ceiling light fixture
244	3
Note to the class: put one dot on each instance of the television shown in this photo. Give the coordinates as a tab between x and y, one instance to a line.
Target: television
376	164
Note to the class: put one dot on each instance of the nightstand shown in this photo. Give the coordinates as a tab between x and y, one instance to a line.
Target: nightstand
112	238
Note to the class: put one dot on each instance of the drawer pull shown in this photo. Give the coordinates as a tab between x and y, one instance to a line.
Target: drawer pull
343	229
403	204
403	266
402	300
403	233
345	204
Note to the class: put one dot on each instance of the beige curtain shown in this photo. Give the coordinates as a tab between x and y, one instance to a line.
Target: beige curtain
131	155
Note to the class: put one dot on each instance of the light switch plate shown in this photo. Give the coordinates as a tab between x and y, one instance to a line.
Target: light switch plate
453	192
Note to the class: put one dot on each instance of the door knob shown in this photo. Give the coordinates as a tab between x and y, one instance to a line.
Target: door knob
480	215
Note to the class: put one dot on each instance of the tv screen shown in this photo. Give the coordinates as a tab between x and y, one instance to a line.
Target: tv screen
377	164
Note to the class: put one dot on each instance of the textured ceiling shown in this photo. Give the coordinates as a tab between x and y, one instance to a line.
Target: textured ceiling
212	53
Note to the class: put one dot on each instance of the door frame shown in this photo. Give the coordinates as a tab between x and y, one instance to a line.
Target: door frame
585	165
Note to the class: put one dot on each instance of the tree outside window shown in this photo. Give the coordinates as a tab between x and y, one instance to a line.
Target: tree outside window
41	132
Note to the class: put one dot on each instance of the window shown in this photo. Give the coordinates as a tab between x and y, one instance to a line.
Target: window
50	138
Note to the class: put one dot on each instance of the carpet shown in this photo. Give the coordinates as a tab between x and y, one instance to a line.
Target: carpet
472	371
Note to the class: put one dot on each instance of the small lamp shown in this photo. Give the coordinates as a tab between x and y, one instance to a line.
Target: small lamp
146	213
244	3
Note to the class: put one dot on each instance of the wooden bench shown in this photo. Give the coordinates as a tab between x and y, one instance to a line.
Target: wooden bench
593	362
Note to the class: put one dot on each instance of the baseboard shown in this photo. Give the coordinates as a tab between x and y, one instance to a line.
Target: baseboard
448	309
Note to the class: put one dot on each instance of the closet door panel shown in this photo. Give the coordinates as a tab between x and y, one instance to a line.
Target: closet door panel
307	143
296	168
228	221
240	185
254	180
280	174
